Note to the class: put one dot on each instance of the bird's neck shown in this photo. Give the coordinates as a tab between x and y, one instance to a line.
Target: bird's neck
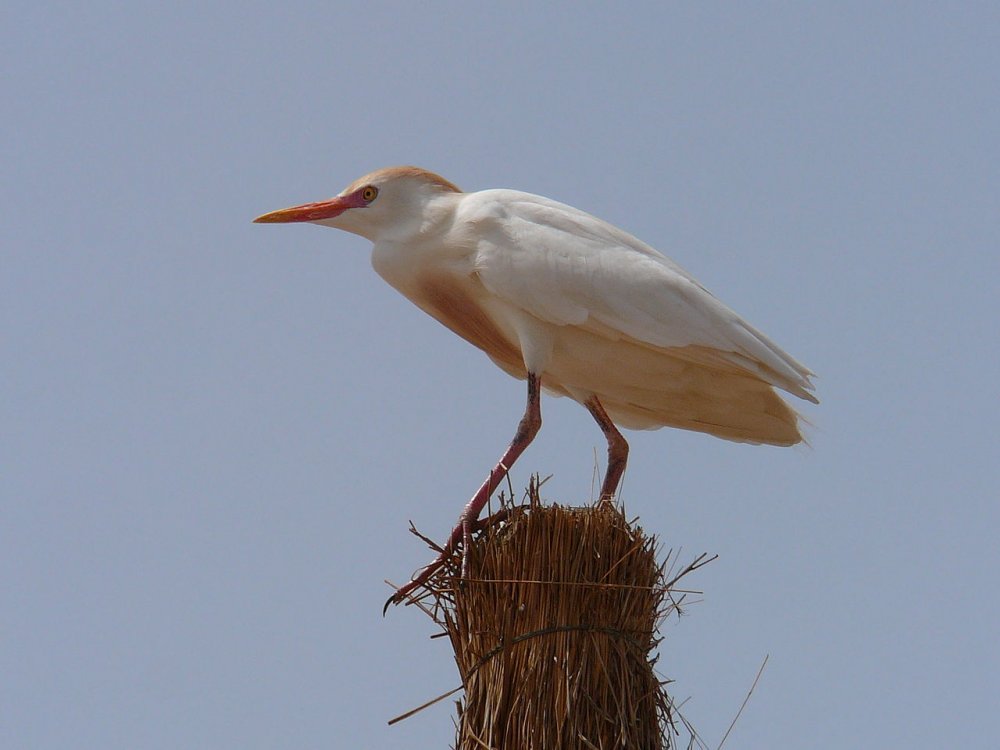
413	249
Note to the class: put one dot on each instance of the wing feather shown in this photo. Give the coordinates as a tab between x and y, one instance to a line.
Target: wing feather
567	267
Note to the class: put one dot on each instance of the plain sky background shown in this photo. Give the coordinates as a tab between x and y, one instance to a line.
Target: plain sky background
214	433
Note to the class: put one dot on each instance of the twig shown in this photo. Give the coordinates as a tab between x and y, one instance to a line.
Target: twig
743	705
431	702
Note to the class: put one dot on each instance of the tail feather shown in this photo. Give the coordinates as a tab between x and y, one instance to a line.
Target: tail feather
642	388
757	415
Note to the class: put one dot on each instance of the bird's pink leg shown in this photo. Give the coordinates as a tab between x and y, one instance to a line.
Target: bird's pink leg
617	449
526	431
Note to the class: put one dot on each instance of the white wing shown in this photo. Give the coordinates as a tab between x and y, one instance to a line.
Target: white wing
567	267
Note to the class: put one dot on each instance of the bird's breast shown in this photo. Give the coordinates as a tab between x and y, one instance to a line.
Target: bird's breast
460	304
437	275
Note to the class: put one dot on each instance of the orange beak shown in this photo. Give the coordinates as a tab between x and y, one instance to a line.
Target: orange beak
311	211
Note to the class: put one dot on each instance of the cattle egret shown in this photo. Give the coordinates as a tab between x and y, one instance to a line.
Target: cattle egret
573	305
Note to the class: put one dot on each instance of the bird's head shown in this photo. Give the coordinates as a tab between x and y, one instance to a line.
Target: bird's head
387	202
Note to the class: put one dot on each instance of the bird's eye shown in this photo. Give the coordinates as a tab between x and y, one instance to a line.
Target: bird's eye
370	193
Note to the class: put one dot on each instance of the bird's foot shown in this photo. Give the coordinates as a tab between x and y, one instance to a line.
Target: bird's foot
464	531
403	592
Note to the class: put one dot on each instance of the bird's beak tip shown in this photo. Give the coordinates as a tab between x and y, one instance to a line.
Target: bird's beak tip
327	209
274	217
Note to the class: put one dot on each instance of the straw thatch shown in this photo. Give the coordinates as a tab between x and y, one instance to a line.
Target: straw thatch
554	631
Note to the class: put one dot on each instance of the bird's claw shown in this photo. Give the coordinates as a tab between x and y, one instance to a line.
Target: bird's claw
403	592
390	601
400	595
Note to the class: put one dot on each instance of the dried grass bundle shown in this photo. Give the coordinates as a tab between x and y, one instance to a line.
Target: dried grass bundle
554	631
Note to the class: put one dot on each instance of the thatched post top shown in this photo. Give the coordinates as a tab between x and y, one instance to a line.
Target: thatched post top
555	631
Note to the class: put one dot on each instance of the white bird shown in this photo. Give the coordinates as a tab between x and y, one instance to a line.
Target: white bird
573	305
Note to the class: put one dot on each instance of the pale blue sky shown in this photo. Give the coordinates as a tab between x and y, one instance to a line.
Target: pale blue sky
215	433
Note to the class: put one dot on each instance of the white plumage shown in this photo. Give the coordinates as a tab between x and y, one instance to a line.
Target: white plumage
557	296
